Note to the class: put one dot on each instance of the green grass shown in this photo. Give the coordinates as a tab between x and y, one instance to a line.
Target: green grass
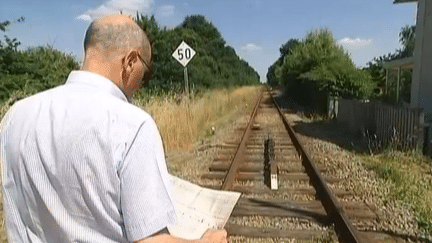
410	176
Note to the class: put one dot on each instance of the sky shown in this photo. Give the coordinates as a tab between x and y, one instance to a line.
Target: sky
254	28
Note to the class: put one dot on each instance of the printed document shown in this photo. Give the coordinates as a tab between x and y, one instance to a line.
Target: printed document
199	209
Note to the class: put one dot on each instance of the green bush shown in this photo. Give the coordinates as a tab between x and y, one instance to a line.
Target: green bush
33	70
320	60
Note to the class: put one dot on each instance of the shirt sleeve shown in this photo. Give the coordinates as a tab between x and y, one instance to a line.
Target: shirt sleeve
146	199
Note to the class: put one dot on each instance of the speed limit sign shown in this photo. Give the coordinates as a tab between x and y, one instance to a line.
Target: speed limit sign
183	53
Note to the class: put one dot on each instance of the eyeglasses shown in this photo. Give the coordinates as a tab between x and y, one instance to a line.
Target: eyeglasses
149	73
142	60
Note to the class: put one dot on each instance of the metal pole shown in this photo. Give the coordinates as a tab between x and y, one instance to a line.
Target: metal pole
186	82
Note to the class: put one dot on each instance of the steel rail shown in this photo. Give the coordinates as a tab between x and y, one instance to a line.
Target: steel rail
238	157
346	232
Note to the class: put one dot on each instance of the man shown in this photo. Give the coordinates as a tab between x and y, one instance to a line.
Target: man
79	162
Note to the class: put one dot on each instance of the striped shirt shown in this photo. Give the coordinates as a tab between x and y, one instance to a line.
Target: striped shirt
81	164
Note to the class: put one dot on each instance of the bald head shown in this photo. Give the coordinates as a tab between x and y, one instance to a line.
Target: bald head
116	34
118	49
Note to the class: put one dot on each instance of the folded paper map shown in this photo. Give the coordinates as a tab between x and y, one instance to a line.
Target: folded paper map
199	209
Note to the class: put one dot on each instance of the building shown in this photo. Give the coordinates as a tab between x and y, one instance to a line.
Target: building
397	86
421	87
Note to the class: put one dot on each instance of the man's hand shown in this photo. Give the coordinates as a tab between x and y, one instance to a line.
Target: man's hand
214	236
163	236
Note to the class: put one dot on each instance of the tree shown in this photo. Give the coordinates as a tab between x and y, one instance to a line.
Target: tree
32	70
4	24
11	43
407	39
148	24
284	50
215	64
203	28
320	61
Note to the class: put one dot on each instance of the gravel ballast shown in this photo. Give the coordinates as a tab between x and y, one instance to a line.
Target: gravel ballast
393	216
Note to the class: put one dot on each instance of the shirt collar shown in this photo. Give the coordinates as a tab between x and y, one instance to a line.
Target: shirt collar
96	80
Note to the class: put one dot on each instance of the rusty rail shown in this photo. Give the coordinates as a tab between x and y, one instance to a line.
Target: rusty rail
238	157
334	210
346	232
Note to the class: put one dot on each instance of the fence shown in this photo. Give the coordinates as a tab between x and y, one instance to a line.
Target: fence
404	127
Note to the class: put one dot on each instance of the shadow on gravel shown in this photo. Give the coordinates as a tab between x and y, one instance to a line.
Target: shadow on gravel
321	218
327	130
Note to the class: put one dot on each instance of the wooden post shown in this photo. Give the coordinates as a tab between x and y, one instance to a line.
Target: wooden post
398	83
386	87
420	128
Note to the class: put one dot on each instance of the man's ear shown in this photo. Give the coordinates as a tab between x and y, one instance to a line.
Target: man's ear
126	69
128	65
131	59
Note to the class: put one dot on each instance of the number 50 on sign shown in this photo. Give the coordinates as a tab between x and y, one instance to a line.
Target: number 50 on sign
184	53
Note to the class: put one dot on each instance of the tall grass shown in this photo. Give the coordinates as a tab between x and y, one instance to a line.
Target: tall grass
182	121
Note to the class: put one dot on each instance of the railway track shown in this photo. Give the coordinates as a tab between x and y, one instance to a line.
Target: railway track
281	185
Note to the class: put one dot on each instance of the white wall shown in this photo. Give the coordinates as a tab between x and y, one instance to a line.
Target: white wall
421	91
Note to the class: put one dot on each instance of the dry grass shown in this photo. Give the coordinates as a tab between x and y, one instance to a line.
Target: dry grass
183	122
